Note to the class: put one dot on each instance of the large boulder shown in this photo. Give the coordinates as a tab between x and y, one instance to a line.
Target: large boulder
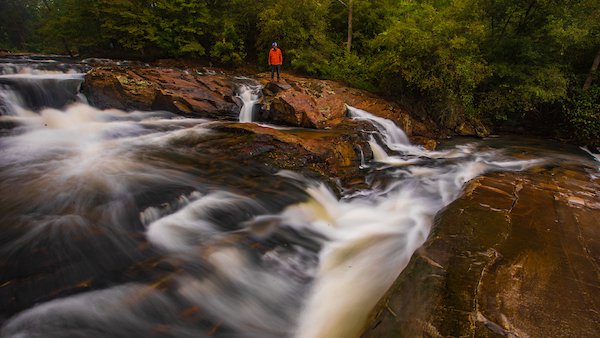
303	102
321	104
181	92
516	256
118	88
331	154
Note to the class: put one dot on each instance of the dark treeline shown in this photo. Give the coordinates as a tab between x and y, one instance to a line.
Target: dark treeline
529	64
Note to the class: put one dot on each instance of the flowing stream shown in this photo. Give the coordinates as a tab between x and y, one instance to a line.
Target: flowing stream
139	224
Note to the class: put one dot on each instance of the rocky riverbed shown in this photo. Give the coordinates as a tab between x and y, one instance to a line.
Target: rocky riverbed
516	255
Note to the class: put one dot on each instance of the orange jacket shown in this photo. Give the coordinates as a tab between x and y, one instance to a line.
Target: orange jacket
275	57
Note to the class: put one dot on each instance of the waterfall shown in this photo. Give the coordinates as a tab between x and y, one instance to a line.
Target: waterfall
35	86
388	129
249	95
145	223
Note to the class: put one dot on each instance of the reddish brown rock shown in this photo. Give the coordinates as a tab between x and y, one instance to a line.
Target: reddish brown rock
333	154
303	102
162	89
516	256
321	104
471	128
118	88
295	101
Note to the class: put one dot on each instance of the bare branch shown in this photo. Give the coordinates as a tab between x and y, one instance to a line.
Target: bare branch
343	3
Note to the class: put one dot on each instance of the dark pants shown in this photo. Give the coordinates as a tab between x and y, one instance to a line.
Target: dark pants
273	69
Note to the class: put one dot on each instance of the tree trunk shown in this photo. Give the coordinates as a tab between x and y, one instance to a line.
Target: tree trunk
349	25
588	81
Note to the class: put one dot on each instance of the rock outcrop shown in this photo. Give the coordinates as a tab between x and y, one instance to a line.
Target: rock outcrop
295	101
321	104
516	256
331	154
181	92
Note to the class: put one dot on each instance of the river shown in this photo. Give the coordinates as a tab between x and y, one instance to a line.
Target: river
142	223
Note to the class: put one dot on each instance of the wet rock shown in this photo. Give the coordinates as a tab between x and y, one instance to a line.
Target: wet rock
118	88
272	88
4	109
321	104
427	143
516	256
333	154
181	92
294	101
303	103
472	128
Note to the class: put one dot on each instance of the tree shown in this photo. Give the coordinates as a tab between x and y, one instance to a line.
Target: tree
534	49
128	24
361	22
232	31
17	24
432	53
301	29
179	26
67	23
588	80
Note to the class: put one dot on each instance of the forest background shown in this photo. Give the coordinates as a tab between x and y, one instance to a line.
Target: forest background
528	65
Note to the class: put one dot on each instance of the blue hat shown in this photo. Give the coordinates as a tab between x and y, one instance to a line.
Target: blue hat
274	44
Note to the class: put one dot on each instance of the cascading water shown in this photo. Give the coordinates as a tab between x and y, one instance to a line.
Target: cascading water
393	135
139	224
249	95
38	85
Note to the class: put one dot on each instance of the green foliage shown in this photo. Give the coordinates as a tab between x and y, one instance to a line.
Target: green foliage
128	23
299	27
62	26
530	47
18	19
583	117
229	46
504	61
433	53
370	17
351	69
233	31
178	26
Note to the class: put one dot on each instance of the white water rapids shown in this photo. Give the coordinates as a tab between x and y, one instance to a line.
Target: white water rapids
178	241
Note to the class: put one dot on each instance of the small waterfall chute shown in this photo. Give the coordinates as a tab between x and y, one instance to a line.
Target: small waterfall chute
387	128
248	93
43	90
39	85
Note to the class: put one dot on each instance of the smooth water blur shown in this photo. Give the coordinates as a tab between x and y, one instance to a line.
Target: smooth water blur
248	93
140	224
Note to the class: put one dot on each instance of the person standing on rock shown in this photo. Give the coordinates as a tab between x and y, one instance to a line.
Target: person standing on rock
275	60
